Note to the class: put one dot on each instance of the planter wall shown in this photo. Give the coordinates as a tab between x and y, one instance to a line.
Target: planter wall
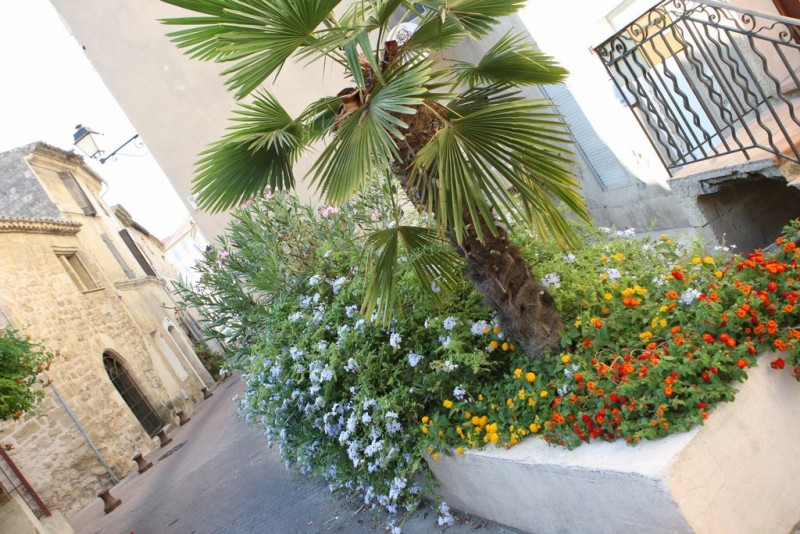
738	473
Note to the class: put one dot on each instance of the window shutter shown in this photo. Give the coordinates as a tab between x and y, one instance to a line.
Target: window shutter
77	193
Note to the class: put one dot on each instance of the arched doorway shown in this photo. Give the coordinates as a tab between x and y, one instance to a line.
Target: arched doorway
132	395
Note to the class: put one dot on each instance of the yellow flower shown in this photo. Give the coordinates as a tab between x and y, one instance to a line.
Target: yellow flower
504	346
645	336
627	292
708	260
514	440
534	427
543	394
654	322
425	419
493	344
718	274
697	261
467	415
640	290
485	329
496	329
521	394
603	277
663	309
531	401
480	396
604	259
565	358
662	323
435	456
424	429
460	432
510	403
494	437
447	403
577	323
517	372
663	236
530	377
460	450
476	421
491	429
619	256
608	296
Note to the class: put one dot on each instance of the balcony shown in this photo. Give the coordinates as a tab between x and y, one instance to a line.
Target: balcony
710	81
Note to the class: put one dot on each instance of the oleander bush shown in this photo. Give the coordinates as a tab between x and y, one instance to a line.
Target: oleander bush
656	334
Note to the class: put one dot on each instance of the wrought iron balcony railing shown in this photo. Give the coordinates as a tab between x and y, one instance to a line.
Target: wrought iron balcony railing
706	79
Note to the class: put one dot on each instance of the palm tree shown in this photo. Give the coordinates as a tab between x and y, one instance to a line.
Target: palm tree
459	138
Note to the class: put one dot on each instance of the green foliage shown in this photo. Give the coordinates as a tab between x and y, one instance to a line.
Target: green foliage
496	153
657	334
21	362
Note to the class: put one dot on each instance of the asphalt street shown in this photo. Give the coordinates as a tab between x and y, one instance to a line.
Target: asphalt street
219	476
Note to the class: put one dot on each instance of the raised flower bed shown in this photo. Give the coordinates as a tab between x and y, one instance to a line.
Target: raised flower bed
657	338
739	472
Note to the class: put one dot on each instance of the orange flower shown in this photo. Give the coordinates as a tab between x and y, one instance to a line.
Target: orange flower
672	294
668	391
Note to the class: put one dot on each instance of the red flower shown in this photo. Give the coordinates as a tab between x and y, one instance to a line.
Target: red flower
677	275
772	286
705	376
780	363
741	363
701	405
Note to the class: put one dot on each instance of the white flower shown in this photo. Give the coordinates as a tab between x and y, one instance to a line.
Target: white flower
459	393
350	311
605	229
689	296
337	284
478	327
322	345
352	365
296	316
413	359
551	280
445	341
613	274
394	340
435	287
445	517
569	258
630	232
449	366
305	301
314	280
450	323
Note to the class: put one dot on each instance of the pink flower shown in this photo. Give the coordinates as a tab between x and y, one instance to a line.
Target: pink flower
329	211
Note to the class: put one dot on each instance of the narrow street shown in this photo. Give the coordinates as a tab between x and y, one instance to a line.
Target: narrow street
218	476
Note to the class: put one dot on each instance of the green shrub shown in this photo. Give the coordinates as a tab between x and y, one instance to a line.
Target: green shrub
656	334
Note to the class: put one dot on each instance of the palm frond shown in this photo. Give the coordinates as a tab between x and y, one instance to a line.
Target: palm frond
447	22
365	143
319	117
512	60
257	36
259	151
432	263
497	144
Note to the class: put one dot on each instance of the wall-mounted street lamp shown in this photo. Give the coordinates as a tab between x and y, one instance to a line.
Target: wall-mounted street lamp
84	139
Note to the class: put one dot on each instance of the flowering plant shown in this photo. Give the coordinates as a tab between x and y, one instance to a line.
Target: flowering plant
21	362
657	333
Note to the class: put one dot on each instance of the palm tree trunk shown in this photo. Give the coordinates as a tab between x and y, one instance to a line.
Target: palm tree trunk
526	311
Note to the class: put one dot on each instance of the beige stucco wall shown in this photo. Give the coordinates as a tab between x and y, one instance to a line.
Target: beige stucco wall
178	105
122	316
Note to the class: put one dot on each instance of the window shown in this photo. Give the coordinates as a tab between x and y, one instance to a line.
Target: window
137	254
77	270
115	253
77	193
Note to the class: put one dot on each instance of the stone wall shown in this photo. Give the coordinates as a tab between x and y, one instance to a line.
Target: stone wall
39	296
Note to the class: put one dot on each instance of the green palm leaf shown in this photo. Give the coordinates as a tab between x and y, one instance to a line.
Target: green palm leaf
432	260
258	35
499	143
365	143
259	151
512	60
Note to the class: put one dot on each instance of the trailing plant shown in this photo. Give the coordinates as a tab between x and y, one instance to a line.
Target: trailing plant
657	334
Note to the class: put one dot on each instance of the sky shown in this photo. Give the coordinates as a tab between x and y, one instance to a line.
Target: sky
49	86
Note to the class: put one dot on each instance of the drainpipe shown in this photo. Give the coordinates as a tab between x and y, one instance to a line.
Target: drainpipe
86	437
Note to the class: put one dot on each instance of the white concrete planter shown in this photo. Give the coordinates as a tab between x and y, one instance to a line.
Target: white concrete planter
740	473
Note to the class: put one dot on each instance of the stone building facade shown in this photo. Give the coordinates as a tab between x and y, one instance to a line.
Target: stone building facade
82	281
